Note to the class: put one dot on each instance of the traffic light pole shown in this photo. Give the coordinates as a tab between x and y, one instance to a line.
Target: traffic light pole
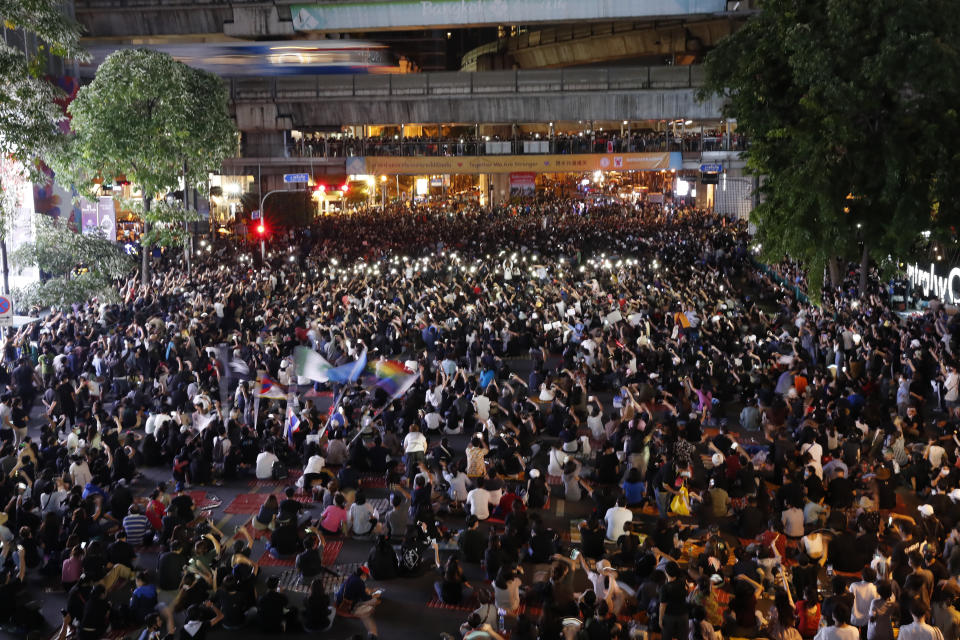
263	250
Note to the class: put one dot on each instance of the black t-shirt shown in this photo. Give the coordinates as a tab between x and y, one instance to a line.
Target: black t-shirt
170	570
309	562
96	614
270	610
285	540
751	522
674	595
234	606
607	468
542	547
592	542
472	543
840	493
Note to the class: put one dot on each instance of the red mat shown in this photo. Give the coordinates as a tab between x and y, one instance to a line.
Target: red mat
250	503
267	560
373	482
468	606
331	551
290	480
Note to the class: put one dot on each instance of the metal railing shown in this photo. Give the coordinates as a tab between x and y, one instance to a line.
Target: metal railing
456	83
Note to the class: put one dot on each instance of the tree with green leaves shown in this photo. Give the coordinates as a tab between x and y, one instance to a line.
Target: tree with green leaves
851	108
155	121
78	267
29	116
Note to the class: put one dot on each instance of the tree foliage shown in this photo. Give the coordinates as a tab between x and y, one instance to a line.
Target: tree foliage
79	267
29	115
851	110
150	119
168	221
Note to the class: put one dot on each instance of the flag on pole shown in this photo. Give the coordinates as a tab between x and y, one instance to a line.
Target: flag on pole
311	365
268	388
391	376
348	372
292	422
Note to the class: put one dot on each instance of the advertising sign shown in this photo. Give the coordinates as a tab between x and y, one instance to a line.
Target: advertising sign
107	218
523	184
553	163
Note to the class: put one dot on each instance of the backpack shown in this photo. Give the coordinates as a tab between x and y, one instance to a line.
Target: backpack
279	471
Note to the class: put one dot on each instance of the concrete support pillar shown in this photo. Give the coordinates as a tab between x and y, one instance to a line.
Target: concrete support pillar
257	22
501	187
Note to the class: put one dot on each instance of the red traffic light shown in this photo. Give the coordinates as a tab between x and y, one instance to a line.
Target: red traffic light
261	229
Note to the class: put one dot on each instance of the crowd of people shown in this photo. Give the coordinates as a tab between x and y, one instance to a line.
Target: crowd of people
649	141
620	426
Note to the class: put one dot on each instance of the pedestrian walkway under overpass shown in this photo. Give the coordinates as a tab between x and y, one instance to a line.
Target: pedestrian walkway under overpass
489	97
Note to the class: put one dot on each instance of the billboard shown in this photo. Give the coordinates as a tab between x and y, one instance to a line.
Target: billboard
586	162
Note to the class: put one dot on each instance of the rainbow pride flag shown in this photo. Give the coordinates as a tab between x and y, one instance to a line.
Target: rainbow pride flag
391	376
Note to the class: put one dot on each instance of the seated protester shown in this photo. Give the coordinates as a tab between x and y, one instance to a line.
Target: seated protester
397	516
289	508
593	536
233	602
273	608
537	490
285	539
452	588
382	560
310	561
508	500
361	517
137	526
628	545
543	543
170	567
120	551
96	615
318	614
200	619
472	542
741	615
144	600
333	520
354	597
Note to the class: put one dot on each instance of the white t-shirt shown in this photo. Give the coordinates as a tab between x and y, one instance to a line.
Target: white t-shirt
414	442
617	517
482	404
846	632
265	465
314	465
936	456
919	631
863	595
815	450
479	502
80	473
458	485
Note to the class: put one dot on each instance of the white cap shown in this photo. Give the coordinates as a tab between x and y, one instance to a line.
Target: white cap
925	510
717	459
534	473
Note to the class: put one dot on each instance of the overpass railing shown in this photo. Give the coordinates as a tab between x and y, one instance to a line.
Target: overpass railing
456	83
